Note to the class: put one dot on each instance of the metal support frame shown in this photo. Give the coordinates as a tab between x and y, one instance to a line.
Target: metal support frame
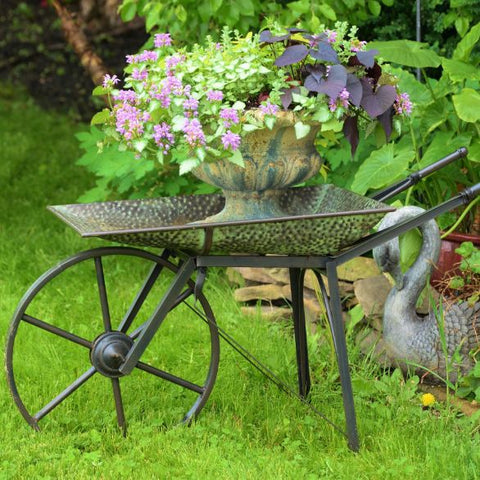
297	276
297	265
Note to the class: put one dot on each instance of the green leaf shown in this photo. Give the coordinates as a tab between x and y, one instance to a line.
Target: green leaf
374	7
419	93
466	45
436	149
248	8
382	168
181	13
459	71
128	11
237	158
407	52
178	122
474	151
270	121
99	90
410	244
467	105
461	25
153	17
300	7
434	115
205	11
100	117
301	129
139	144
327	11
188	165
215	4
323	114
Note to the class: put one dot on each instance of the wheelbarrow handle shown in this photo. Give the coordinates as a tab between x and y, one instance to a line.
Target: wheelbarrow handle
415	177
470	193
375	239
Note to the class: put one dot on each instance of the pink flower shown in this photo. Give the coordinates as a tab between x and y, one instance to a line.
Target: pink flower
403	104
139	74
331	36
215	95
269	108
110	81
171	63
230	140
129	120
128	96
357	46
193	132
145	56
162	40
230	116
191	105
163	137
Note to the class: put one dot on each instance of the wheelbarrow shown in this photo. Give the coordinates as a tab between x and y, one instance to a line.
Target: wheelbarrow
325	227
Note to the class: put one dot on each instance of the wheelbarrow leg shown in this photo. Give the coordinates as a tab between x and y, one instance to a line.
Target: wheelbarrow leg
183	275
334	312
297	276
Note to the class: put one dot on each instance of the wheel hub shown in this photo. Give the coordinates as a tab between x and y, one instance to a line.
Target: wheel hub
109	352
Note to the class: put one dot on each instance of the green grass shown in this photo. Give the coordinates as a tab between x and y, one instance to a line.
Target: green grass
248	428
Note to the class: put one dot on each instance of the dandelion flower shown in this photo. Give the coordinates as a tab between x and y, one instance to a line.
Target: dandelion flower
428	399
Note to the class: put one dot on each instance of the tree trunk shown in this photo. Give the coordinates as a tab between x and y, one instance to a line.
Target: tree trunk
77	39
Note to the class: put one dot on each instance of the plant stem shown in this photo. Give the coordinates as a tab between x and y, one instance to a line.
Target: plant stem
461	217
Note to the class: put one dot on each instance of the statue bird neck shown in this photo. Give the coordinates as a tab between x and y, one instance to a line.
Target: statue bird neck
415	279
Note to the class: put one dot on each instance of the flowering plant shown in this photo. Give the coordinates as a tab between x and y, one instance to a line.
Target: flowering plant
187	106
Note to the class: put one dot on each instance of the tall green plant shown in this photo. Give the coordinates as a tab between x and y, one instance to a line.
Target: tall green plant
445	118
191	20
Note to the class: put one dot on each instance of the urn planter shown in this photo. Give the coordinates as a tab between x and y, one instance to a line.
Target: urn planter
273	161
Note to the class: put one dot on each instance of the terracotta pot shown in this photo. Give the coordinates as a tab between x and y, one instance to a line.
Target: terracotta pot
274	160
449	260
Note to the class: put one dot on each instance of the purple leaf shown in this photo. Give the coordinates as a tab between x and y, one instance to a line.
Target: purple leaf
267	37
335	82
286	97
385	120
354	88
367	58
318	71
350	130
296	30
293	54
377	102
324	51
313	83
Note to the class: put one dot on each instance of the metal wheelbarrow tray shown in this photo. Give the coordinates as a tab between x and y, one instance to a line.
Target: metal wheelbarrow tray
326	227
322	220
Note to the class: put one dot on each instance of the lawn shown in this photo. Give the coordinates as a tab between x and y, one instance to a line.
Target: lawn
248	428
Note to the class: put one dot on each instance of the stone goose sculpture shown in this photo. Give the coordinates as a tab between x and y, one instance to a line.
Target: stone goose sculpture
412	338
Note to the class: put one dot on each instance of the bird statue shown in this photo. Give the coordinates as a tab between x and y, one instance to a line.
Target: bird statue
439	342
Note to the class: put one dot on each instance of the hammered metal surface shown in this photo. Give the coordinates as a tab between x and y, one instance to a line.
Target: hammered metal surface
322	220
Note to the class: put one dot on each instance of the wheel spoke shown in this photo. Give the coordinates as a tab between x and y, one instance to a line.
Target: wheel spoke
65	394
169	377
102	290
117	395
57	331
140	298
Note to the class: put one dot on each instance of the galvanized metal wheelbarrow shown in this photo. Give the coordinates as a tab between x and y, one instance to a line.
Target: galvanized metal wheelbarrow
326	227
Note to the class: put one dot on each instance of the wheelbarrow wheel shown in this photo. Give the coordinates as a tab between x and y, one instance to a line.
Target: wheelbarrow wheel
74	326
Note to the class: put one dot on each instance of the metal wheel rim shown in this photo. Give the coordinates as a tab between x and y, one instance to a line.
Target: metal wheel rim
55	271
